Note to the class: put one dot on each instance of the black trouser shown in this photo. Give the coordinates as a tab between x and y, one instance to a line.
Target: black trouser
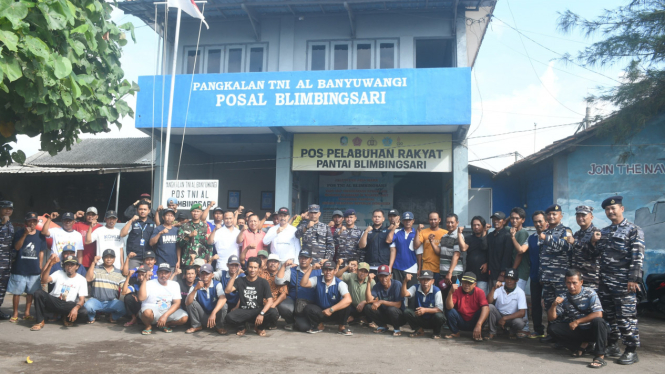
132	304
237	318
574	338
426	321
537	307
385	315
400	275
444	293
48	303
314	314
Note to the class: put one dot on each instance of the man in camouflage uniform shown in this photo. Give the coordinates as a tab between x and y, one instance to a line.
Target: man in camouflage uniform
582	258
193	239
317	239
6	240
347	238
554	258
621	249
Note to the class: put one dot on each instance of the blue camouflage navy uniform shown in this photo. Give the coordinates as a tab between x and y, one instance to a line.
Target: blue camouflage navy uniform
621	250
6	240
584	260
317	240
554	260
346	244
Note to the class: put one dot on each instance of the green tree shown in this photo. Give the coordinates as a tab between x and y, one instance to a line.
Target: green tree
635	35
60	72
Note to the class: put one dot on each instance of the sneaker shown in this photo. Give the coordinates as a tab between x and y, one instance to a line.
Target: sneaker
288	327
312	331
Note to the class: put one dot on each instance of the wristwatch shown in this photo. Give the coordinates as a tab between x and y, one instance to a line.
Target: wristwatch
263	313
332	310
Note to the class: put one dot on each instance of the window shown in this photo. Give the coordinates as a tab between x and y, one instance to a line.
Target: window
226	59
387	55
434	53
191	56
363	55
256	60
234	56
214	63
357	54
318	56
341	56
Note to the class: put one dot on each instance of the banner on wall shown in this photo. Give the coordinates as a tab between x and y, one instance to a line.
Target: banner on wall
372	152
194	191
363	192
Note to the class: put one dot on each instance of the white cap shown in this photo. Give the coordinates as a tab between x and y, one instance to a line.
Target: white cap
92	209
273	256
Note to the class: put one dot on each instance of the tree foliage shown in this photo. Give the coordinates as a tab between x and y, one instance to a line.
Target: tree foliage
60	72
635	35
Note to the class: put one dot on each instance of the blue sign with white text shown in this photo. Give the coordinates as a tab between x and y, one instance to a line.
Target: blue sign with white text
309	98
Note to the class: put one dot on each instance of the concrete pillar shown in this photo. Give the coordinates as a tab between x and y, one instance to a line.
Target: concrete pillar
283	174
158	172
461	182
460	36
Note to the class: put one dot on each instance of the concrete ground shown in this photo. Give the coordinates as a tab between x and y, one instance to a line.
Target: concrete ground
108	348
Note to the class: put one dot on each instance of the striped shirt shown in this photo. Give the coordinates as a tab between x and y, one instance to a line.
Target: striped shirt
106	285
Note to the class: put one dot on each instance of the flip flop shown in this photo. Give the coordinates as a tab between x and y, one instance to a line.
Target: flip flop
146	332
397	333
346	332
28	318
167	329
13	320
597	360
130	323
37	327
380	330
452	336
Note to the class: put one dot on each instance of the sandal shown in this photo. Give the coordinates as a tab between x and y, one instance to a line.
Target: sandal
380	330
261	333
166	329
535	335
346	332
13	319
597	363
28	318
418	333
450	336
146	332
397	333
37	327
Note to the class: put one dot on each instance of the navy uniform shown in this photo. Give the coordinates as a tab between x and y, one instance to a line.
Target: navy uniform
6	241
554	260
583	258
346	241
621	250
318	239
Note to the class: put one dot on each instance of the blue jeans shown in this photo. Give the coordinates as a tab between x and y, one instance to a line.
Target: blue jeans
457	323
115	307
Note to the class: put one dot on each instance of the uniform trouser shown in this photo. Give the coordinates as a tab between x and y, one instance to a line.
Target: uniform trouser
314	314
513	325
597	333
115	307
199	317
550	291
385	315
537	307
237	318
426	321
45	303
5	272
132	304
620	311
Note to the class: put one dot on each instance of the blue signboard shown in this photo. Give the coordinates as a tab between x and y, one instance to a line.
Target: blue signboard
310	98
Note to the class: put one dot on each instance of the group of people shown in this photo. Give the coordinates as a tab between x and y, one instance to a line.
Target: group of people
233	271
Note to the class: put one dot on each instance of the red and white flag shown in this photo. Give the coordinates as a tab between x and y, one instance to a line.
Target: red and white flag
189	7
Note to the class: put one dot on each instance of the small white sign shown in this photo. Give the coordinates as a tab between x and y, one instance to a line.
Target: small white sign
194	191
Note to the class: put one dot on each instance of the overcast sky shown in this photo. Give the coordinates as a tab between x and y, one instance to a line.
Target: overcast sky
516	82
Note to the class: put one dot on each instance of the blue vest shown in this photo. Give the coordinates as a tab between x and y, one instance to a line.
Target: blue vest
208	300
404	257
330	298
428	301
303	293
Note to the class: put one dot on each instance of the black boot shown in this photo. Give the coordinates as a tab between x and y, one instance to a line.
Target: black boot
613	350
628	358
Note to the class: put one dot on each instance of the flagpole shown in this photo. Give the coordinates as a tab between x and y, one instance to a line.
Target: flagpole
170	116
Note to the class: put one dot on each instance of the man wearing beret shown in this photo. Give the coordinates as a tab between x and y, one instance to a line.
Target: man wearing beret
621	249
555	249
582	258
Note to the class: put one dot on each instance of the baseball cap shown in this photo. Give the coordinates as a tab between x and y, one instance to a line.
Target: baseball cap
583	209
233	259
553	208
469	277
108	252
143	269
69	248
30	216
383	270
218	209
499	215
407	215
314	208
169	210
111	214
164	267
149	254
328	265
70	259
393	212
68	216
511	273
349	212
92	209
6	204
283	210
363	266
305	254
206	268
199	262
181	216
263	253
273	257
426	274
172	200
338	213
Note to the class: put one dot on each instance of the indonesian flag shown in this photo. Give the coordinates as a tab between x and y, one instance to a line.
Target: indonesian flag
189	7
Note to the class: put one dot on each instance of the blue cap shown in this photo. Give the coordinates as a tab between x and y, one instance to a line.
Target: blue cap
68	216
407	215
305	254
611	201
349	212
172	200
553	208
69	248
314	208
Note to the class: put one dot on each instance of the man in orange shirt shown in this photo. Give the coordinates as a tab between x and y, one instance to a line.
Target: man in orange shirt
423	241
251	240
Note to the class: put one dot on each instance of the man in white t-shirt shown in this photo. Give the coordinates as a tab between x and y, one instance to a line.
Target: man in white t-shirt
160	302
62	236
68	295
107	237
282	238
223	237
509	306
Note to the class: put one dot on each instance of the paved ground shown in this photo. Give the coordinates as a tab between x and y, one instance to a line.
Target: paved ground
108	348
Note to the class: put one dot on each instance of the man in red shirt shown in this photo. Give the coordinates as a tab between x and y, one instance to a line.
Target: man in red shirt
89	251
466	308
